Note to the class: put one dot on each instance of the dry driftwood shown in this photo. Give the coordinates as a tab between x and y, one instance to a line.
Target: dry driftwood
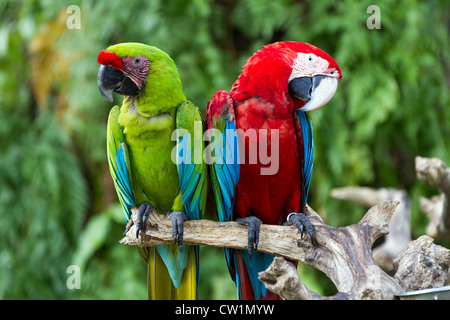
343	254
399	226
283	241
422	265
279	240
434	172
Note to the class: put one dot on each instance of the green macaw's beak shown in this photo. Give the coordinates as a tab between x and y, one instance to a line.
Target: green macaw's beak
316	91
110	79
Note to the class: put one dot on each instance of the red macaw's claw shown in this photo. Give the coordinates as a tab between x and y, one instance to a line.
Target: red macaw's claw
302	223
253	224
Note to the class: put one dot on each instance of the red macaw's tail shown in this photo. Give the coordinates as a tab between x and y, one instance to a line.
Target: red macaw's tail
247	283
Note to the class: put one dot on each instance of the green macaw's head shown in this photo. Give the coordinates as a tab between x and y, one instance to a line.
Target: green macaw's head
143	73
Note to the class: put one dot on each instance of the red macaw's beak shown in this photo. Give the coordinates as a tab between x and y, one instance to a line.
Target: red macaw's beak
111	80
316	91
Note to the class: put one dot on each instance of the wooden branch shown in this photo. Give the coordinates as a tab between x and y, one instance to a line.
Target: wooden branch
422	265
399	226
343	254
283	241
435	172
282	278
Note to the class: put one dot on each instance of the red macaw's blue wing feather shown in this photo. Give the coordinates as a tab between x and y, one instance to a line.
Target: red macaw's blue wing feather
247	275
224	151
306	148
224	165
226	170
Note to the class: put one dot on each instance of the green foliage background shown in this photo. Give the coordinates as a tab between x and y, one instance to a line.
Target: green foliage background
58	206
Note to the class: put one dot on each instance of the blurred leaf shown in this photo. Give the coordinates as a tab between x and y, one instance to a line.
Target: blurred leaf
92	238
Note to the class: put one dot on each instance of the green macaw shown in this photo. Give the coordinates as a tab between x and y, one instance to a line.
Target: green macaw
153	145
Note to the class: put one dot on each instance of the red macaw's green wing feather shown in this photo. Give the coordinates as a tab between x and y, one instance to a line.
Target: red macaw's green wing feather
225	169
224	151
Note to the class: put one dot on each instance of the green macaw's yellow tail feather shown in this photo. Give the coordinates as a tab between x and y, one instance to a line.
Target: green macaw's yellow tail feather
159	283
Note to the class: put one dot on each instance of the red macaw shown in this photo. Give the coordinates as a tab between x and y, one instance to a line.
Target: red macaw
277	86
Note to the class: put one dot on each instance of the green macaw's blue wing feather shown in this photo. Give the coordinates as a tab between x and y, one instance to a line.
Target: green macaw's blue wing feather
192	170
119	163
191	166
120	169
308	150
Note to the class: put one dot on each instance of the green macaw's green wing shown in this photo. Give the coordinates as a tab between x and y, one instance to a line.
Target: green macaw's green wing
120	169
192	170
119	163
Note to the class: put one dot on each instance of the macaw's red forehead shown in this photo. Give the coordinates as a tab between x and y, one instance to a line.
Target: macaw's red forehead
303	47
292	48
110	59
309	48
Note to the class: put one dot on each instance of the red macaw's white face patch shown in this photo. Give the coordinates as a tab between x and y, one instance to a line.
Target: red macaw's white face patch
309	65
323	87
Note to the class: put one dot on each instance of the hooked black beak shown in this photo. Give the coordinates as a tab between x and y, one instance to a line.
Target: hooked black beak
110	79
316	91
301	88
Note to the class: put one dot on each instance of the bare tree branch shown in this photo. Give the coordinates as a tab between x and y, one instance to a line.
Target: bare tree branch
434	172
422	265
283	241
399	226
343	254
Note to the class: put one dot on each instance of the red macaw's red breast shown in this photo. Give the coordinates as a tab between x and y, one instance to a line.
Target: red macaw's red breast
270	182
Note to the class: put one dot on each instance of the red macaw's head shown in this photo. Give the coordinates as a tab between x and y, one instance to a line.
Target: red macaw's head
294	74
